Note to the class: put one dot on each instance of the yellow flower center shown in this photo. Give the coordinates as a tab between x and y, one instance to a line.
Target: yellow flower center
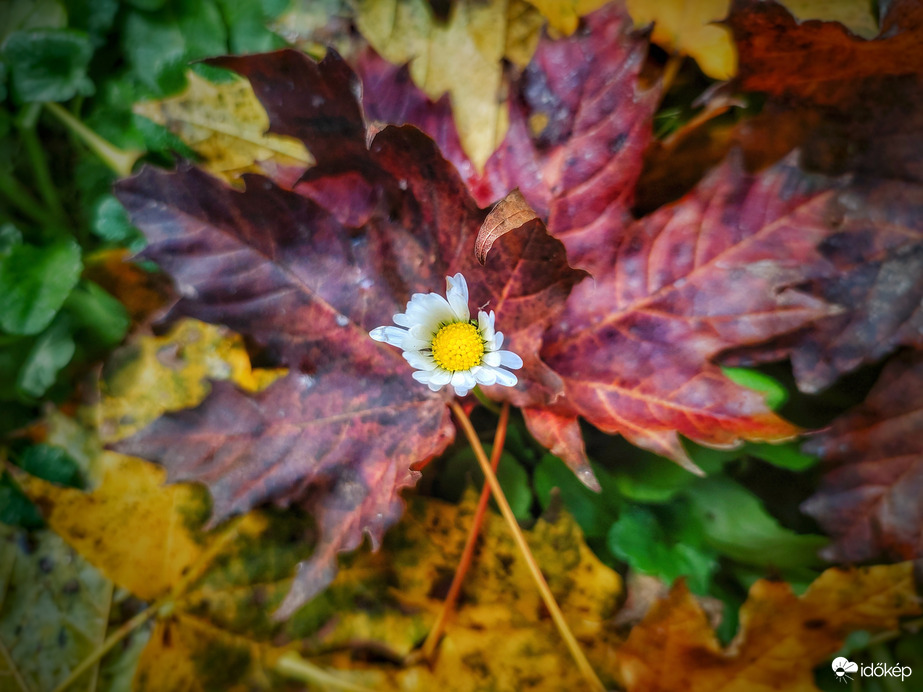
458	346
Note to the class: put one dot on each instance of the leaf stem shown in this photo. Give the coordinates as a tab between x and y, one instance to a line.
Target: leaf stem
573	646
19	197
113	639
448	605
14	671
43	179
292	665
120	161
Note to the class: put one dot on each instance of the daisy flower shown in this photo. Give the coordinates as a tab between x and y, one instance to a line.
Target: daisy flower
446	346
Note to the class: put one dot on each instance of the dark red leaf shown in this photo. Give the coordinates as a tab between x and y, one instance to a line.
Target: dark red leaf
716	270
308	282
579	124
876	279
869	501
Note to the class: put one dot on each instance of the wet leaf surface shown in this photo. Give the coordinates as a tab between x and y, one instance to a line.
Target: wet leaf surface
869	499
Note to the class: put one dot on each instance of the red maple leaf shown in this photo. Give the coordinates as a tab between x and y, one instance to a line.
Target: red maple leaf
579	124
307	272
717	270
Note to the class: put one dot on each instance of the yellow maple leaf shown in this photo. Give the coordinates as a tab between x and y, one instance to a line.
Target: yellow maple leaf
462	57
227	126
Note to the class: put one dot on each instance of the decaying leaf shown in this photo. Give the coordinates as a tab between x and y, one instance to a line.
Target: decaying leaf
152	375
869	501
225	125
690	27
696	27
511	213
875	276
462	57
218	590
153	548
500	637
781	637
53	610
344	428
832	64
577	132
857	101
717	269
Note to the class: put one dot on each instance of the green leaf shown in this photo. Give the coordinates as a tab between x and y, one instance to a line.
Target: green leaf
110	222
102	317
92	16
52	464
10	237
247	28
159	45
15	508
34	283
30	14
13	353
51	352
776	395
646	477
639	538
594	512
785	456
462	468
737	525
48	64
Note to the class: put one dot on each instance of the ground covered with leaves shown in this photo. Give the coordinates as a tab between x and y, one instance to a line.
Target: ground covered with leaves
699	224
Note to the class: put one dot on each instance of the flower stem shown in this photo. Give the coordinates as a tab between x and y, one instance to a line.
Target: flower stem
484	401
448	605
120	161
573	646
111	641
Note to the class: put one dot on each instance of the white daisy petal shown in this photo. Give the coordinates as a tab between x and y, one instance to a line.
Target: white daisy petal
508	359
422	376
492	359
440	376
506	378
464	355
419	360
457	296
411	343
484	376
389	335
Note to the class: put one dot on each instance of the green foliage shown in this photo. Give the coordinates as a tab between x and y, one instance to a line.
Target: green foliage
97	58
34	283
48	64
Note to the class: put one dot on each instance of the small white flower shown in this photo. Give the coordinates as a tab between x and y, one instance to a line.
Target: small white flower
446	346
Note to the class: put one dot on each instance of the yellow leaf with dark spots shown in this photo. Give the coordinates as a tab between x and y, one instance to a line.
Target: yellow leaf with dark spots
227	126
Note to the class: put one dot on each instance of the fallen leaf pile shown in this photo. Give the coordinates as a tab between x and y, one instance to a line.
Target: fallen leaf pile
504	140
